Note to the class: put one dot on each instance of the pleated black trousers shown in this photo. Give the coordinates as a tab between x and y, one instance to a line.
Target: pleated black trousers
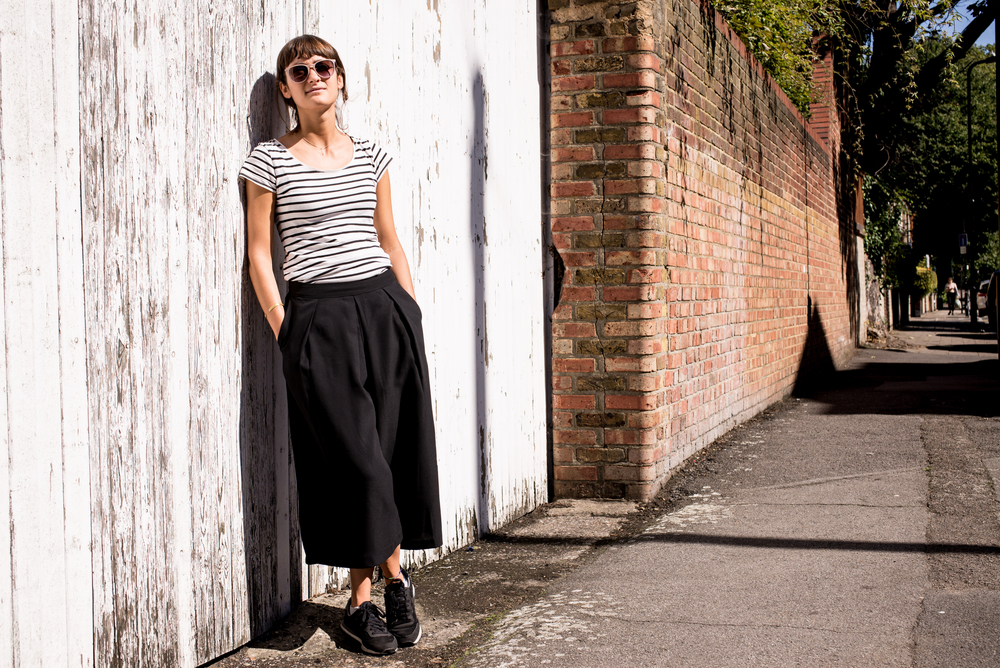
362	428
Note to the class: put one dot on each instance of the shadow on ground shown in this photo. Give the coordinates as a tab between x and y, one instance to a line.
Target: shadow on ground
906	379
312	617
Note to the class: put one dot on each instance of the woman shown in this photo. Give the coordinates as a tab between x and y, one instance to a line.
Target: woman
352	345
951	292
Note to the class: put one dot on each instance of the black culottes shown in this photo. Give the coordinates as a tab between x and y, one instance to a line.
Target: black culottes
362	429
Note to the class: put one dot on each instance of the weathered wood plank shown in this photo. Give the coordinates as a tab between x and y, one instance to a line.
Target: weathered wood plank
257	399
512	254
8	650
272	551
34	475
127	264
78	590
92	47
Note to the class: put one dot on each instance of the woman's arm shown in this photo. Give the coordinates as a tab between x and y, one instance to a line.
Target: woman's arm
385	227
260	228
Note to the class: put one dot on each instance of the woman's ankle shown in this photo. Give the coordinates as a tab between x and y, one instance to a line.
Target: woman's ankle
401	576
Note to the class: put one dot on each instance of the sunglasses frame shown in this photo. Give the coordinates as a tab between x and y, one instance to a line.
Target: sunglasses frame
332	71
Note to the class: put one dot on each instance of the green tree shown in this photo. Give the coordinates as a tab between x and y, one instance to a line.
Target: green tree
884	212
988	259
886	77
881	78
901	96
946	195
780	35
924	281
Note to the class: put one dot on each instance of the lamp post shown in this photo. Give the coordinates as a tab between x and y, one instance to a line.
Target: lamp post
968	167
996	16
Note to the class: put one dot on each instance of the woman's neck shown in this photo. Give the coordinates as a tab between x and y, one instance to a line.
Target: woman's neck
320	129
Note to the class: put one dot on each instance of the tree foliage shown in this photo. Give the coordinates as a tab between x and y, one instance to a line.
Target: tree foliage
946	194
925	280
988	259
886	77
884	211
900	77
780	35
880	76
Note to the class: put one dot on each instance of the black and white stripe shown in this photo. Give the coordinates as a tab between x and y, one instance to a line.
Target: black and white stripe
325	218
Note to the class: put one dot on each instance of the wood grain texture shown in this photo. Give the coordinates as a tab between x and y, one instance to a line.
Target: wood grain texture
8	649
273	553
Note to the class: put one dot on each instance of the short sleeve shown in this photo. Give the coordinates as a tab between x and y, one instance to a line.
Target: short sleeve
259	168
380	161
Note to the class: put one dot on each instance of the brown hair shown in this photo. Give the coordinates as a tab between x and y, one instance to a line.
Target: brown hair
301	48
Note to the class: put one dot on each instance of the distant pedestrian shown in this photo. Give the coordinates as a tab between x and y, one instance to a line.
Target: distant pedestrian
352	345
951	292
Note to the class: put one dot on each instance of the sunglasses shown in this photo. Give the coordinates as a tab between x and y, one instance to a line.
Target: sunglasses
299	73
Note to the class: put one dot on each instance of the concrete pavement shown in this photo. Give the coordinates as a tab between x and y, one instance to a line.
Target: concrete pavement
856	527
859	526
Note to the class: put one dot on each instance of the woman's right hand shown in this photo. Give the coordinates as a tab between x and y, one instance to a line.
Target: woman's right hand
275	318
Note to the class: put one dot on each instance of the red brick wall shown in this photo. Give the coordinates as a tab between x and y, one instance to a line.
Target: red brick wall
696	214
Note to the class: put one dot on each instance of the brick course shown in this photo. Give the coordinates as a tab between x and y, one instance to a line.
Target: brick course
696	214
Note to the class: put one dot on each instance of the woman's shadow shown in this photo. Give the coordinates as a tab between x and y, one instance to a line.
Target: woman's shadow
299	631
270	528
272	548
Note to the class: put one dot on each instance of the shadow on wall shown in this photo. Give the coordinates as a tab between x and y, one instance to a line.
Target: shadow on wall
270	528
478	171
850	202
816	366
847	203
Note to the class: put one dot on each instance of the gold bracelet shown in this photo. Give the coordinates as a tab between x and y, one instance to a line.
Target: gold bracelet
274	307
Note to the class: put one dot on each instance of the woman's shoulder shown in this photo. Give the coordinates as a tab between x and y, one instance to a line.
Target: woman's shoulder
267	146
372	153
260	165
265	150
366	144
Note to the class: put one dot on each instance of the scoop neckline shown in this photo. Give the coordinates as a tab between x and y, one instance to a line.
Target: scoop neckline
354	153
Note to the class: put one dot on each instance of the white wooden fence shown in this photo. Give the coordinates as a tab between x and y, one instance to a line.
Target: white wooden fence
144	461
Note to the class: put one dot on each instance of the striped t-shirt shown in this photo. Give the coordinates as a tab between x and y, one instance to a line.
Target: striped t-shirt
325	218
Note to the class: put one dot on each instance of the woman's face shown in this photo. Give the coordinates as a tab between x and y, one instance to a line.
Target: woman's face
314	92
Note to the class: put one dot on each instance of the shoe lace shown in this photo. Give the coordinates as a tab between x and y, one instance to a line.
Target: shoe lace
373	619
396	603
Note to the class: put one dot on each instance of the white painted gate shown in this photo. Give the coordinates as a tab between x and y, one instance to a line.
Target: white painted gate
144	462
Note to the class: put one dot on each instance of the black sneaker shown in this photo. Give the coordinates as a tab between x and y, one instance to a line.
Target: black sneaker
401	614
366	626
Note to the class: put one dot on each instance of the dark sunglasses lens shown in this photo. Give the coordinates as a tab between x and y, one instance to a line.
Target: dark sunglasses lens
298	73
325	68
